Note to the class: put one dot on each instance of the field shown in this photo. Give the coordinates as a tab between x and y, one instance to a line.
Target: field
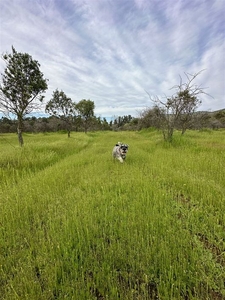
74	224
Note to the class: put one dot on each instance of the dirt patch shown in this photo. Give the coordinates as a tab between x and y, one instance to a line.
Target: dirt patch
215	250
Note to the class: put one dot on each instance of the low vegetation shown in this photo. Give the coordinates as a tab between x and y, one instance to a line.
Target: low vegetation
74	224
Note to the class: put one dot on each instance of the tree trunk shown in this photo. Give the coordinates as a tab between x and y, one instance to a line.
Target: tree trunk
183	130
170	134
20	130
85	126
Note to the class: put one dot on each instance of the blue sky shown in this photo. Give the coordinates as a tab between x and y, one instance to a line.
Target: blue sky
113	51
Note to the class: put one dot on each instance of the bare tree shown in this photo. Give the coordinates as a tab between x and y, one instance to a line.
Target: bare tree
177	111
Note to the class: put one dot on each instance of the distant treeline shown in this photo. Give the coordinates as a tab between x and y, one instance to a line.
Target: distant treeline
200	120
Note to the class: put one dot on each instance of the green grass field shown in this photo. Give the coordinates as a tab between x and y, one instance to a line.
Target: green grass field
74	224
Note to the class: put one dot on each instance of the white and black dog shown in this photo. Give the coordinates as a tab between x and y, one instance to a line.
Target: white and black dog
119	151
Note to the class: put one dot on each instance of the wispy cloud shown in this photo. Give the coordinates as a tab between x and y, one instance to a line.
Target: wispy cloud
113	51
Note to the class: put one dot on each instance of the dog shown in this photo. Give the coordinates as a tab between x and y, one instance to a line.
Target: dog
120	151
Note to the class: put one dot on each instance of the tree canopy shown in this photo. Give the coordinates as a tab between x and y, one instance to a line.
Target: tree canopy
61	106
85	110
22	86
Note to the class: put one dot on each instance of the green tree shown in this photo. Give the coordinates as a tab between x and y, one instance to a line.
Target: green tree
21	88
85	110
105	124
151	117
61	106
220	117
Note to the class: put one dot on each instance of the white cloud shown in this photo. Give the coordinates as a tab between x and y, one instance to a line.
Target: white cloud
113	51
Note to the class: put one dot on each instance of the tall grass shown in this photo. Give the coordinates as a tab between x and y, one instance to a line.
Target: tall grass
74	224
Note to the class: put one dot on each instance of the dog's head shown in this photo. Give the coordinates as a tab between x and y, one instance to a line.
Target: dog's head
123	148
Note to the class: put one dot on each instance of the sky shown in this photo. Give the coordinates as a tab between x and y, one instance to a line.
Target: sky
120	53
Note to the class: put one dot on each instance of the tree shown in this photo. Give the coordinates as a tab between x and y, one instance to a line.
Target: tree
85	110
150	117
22	84
61	106
121	121
220	117
105	124
177	111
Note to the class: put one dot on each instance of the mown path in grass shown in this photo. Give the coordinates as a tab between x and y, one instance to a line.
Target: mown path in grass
75	224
